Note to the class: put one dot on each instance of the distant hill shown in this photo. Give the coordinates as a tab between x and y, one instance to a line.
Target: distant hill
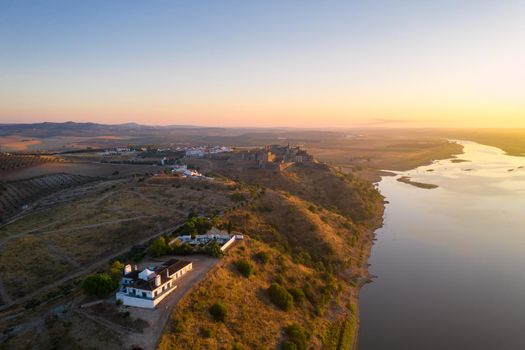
71	135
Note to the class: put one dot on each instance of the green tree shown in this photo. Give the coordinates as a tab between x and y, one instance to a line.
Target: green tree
280	297
214	249
116	270
218	311
99	285
159	247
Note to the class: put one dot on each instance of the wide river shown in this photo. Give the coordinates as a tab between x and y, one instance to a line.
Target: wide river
450	262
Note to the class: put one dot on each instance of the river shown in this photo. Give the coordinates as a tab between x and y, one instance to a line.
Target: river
449	262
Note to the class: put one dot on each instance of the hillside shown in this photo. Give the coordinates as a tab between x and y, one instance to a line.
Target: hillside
309	232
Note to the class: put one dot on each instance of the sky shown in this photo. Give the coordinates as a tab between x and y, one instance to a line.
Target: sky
264	63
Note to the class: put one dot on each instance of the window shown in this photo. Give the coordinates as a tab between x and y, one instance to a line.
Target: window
144	294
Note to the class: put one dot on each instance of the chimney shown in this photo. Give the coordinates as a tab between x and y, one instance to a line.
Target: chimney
157	280
127	269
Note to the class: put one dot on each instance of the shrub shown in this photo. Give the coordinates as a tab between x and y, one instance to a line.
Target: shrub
297	294
214	249
262	257
218	311
205	332
280	297
288	345
237	197
298	336
244	267
99	285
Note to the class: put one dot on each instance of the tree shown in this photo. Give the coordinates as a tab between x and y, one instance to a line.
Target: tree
159	247
244	267
196	225
218	311
116	270
280	297
99	285
214	249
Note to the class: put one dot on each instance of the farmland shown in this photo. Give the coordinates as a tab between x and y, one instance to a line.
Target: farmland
15	195
10	162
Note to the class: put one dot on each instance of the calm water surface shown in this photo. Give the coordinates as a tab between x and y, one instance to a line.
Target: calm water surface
450	262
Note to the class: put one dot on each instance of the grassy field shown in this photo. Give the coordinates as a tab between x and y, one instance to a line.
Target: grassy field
107	218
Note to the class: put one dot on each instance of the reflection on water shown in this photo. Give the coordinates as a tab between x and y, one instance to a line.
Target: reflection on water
450	261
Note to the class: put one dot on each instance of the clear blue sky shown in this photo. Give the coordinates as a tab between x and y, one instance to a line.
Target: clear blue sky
315	63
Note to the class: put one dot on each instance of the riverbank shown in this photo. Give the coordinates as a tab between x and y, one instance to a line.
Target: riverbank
375	175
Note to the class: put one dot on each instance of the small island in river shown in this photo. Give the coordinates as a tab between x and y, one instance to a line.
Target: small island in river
408	180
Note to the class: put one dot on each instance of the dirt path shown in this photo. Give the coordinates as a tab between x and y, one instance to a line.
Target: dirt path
6	298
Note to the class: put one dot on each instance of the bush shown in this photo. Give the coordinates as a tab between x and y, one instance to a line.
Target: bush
298	336
99	285
280	297
218	311
297	294
237	197
244	267
288	345
205	332
262	257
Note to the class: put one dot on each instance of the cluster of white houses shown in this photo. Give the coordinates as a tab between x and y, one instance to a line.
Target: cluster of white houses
150	286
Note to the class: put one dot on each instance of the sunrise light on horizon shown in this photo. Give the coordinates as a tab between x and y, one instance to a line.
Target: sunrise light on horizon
272	63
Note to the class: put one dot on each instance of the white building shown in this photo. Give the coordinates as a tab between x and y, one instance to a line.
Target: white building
149	287
214	234
195	153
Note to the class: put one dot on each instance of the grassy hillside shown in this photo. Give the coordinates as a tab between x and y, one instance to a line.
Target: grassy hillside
307	236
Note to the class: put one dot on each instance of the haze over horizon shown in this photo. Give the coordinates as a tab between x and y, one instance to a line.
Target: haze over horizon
291	63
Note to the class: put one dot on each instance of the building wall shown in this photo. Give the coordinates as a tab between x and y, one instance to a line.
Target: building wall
129	300
227	244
